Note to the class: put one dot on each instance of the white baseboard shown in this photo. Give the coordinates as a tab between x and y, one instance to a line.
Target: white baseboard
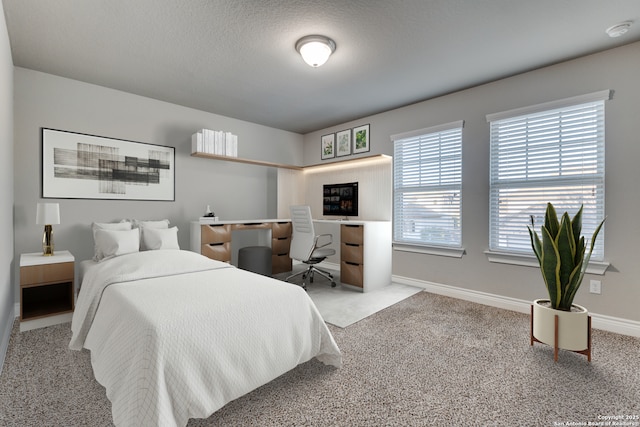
4	338
598	321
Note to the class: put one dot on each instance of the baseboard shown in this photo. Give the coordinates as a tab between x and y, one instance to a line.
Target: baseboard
6	335
598	321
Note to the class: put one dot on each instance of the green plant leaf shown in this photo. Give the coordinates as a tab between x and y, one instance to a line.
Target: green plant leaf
566	246
535	243
551	220
550	267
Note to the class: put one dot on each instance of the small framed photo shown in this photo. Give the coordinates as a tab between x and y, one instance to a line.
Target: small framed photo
361	139
328	146
343	146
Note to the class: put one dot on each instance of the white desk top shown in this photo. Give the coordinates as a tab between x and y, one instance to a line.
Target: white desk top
322	220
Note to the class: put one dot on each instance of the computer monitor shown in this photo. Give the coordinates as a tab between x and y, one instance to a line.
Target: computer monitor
340	199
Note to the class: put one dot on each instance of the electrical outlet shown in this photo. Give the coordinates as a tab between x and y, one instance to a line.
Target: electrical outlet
595	287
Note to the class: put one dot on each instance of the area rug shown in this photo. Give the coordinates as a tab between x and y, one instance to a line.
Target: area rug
343	306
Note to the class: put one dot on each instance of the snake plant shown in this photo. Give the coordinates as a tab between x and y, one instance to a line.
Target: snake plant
561	255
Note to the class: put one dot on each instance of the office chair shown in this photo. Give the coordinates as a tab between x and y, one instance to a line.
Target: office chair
306	246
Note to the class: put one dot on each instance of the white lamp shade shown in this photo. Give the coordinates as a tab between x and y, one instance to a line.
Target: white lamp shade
315	50
48	214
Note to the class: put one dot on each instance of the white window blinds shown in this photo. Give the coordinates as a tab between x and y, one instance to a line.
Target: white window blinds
427	176
547	155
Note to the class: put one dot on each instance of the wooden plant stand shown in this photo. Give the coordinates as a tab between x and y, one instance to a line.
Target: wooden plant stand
586	352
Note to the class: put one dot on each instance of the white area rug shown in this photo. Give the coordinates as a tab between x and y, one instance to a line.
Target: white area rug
344	306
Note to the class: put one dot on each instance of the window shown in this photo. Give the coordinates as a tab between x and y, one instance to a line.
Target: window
552	152
427	180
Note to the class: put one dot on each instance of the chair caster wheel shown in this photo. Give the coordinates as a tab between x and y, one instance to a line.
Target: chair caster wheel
333	284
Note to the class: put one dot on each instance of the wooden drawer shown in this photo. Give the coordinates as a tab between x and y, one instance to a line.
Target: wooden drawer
351	253
281	245
280	229
46	273
351	274
217	251
281	263
252	226
215	234
351	234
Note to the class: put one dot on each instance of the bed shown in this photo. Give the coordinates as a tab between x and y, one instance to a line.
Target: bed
174	335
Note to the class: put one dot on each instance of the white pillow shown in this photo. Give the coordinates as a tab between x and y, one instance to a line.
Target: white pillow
123	225
149	224
116	242
159	238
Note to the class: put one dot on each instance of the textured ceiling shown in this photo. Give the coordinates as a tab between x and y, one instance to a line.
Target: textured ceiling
237	58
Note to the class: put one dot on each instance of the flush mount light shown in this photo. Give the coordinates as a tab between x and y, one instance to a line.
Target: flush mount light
619	29
315	50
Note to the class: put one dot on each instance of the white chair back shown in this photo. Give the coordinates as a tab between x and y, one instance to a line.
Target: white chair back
303	237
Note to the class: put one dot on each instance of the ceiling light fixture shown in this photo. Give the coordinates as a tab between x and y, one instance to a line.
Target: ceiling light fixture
315	50
619	29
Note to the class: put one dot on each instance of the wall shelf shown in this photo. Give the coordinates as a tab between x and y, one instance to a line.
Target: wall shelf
241	160
285	166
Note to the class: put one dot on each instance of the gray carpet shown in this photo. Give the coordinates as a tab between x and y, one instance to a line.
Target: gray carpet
427	360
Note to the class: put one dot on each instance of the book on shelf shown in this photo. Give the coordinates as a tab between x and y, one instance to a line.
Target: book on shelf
219	143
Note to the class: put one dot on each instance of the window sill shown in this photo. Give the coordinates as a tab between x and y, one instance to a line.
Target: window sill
594	267
430	250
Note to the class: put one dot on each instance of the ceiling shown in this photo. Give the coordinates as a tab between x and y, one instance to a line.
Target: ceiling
237	58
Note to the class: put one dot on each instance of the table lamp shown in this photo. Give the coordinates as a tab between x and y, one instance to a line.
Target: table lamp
47	214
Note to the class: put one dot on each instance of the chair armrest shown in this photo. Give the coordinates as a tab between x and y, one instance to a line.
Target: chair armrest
327	237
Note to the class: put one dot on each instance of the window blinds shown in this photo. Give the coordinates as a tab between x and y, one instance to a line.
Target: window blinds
556	156
427	184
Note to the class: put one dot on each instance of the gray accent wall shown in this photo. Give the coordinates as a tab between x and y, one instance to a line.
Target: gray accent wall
6	189
233	190
616	69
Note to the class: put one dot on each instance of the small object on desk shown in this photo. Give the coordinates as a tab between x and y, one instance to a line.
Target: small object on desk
208	219
209	212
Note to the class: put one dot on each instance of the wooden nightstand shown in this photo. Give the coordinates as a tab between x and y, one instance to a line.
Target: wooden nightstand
46	289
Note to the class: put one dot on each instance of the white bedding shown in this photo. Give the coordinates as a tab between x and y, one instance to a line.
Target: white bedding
174	335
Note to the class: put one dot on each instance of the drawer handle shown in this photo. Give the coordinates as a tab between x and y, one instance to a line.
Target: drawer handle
216	244
281	238
352	263
352	244
351	225
283	254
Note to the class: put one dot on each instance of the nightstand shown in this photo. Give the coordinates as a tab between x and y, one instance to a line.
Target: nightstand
46	289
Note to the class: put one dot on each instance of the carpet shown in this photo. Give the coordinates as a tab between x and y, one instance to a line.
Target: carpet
343	306
428	360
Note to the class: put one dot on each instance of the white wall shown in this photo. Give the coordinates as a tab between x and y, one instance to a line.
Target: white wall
615	69
234	190
6	189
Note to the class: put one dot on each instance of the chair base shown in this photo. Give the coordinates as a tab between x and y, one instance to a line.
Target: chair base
309	272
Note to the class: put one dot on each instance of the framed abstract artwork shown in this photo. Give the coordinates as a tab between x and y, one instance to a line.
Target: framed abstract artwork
328	146
343	143
81	166
361	139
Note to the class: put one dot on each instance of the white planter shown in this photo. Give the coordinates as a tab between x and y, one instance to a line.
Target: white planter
573	326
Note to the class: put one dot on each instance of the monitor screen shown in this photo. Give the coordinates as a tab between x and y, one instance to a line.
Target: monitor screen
340	199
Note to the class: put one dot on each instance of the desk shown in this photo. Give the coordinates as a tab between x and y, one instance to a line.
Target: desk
363	252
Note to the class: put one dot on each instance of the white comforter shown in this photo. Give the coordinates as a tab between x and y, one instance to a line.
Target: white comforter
174	335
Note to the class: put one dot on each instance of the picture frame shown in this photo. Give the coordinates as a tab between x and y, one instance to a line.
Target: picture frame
361	137
343	143
83	166
328	146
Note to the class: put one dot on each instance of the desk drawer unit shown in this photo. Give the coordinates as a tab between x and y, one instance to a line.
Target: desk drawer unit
280	245
352	255
215	241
